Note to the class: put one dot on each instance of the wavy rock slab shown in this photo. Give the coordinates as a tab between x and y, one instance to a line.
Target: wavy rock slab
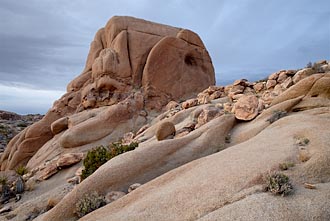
149	160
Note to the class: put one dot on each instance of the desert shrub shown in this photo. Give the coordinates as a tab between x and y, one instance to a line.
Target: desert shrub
21	170
278	184
118	148
94	159
285	166
3	180
100	155
22	124
309	65
278	114
89	203
301	141
228	138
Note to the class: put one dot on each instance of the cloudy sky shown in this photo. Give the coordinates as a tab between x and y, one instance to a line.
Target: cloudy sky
44	43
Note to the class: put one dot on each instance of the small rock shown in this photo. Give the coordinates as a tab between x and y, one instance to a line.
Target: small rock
69	159
5	209
277	90
207	114
128	138
270	84
309	186
287	83
227	107
49	171
237	89
246	108
216	95
18	197
27	176
258	86
267	97
325	68
113	196
237	96
282	77
273	76
210	90
242	82
302	74
203	98
189	103
171	105
74	180
133	187
165	130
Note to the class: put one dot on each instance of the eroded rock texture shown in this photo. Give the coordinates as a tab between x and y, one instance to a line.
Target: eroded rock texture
133	67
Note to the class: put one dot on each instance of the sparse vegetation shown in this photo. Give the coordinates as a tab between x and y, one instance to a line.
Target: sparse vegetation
89	203
100	155
3	180
94	159
278	114
309	65
228	138
285	166
22	124
118	148
278	184
301	141
21	170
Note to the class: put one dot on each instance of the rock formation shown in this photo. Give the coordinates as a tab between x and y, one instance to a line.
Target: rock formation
133	67
224	140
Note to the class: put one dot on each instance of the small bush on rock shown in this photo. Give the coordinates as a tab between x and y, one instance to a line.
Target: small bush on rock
100	155
3	180
89	203
278	184
94	159
118	148
285	166
278	114
21	170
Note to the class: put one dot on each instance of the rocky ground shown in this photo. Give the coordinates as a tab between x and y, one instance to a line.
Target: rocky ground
11	124
245	151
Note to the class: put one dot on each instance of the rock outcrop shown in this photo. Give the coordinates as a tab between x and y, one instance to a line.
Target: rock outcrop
130	61
224	140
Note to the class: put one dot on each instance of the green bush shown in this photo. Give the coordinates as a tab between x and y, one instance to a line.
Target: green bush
94	159
3	180
89	203
278	184
21	170
118	148
100	155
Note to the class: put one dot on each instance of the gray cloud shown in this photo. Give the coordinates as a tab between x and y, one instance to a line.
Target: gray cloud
44	44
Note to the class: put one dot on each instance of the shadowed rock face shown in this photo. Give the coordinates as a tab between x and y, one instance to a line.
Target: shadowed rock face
136	64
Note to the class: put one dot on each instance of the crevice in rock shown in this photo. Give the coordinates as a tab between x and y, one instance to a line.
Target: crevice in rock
128	51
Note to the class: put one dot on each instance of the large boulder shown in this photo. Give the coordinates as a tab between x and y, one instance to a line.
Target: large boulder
127	56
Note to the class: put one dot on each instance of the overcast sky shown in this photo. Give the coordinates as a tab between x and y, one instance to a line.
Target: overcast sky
44	43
